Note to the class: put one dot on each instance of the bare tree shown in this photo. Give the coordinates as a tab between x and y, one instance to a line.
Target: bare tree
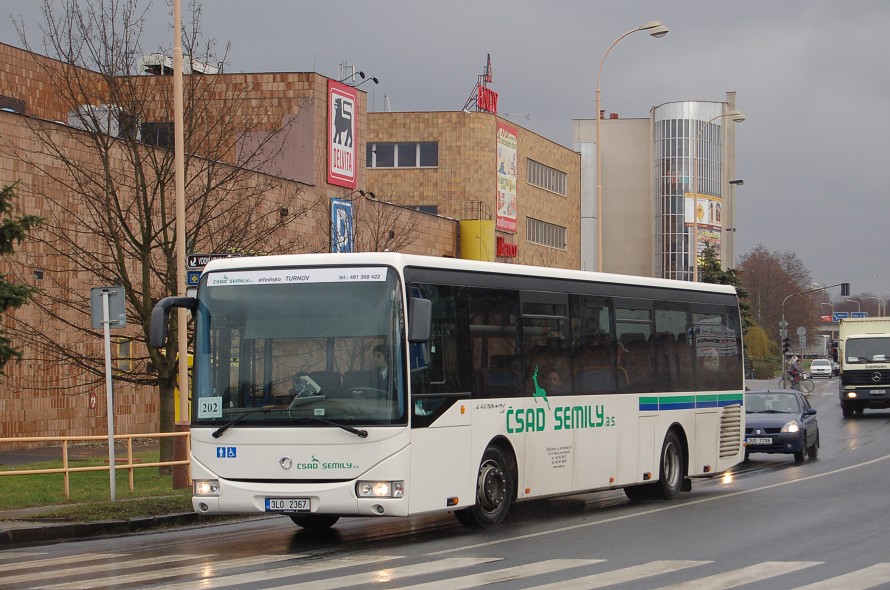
382	226
770	277
110	188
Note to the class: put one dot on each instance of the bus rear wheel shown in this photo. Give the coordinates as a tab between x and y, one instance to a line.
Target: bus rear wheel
672	468
314	522
672	471
495	486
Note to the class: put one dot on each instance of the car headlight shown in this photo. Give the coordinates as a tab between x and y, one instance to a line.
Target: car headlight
380	489
792	426
850	394
206	487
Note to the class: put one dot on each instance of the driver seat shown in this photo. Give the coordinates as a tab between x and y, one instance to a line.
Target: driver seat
353	379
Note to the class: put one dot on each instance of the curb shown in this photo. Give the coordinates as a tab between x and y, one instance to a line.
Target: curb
44	534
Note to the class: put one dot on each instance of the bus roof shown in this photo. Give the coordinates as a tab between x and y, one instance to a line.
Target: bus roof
400	261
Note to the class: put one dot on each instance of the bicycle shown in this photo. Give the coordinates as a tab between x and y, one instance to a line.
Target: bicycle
805	384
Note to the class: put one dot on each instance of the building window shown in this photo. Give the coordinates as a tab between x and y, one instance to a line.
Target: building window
546	177
12	105
431	209
546	234
124	355
157	134
423	154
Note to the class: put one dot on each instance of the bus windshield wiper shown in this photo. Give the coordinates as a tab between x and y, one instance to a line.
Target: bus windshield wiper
219	431
357	431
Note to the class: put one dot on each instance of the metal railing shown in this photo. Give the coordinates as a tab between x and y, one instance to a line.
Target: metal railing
128	464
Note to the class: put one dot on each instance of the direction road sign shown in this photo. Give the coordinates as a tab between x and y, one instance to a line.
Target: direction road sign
840	315
201	260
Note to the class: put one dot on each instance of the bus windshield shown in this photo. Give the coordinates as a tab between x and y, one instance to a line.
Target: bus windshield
299	346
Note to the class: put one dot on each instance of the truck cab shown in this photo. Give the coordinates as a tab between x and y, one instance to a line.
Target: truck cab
864	362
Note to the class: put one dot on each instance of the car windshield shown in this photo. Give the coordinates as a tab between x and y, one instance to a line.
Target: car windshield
278	347
771	403
821	364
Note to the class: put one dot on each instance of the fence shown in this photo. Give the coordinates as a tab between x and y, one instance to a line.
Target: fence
128	464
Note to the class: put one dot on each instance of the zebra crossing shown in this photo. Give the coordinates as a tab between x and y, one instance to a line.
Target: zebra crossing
21	570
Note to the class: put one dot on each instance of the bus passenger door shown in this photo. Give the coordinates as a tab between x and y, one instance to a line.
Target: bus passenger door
547	411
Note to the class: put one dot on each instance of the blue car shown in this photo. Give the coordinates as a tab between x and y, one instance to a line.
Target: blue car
780	421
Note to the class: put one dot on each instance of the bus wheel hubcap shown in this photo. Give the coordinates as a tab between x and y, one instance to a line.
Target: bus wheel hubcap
491	486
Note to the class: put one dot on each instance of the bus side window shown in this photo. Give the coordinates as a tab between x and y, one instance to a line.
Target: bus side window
493	326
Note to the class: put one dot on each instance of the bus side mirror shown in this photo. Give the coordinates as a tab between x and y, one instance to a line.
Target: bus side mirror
160	315
420	318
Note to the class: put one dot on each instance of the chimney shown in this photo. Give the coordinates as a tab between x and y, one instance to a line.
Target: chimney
613	115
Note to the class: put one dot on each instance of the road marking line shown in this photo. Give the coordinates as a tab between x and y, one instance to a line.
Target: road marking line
95	568
503	575
324	565
205	569
859	580
745	575
620	576
5	568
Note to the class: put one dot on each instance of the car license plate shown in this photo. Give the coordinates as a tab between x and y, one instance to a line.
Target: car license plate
877	391
287	504
759	441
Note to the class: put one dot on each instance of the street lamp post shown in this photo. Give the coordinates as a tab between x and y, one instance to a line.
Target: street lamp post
882	305
736	116
179	173
730	231
856	301
657	30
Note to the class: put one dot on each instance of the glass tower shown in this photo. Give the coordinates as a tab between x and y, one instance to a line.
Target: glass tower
679	135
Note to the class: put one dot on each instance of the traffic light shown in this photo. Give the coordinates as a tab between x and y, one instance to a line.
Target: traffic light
786	345
845	289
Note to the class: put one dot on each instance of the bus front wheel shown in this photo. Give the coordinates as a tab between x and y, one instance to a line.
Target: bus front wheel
314	522
494	491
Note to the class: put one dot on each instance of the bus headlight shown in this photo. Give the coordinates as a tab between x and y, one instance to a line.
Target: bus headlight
380	489
206	487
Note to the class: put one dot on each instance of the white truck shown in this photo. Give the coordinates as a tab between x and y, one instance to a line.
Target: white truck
863	354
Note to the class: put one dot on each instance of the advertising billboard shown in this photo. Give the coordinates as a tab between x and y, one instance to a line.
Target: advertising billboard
342	140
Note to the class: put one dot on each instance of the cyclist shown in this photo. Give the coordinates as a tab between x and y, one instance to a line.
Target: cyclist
795	373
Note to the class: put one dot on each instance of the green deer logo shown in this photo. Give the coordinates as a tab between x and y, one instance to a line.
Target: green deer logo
539	391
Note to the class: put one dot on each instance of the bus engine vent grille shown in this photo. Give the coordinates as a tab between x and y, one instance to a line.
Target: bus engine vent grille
730	431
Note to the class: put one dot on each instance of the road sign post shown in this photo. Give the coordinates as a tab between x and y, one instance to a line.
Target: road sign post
107	303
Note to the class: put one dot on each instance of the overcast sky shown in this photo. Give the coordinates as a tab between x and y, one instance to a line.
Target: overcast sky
812	77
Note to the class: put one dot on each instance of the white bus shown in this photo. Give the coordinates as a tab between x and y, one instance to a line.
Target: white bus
381	384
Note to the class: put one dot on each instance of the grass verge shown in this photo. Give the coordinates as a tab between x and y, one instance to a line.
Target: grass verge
43	495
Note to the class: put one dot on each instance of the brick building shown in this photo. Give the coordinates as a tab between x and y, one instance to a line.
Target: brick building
44	395
450	163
